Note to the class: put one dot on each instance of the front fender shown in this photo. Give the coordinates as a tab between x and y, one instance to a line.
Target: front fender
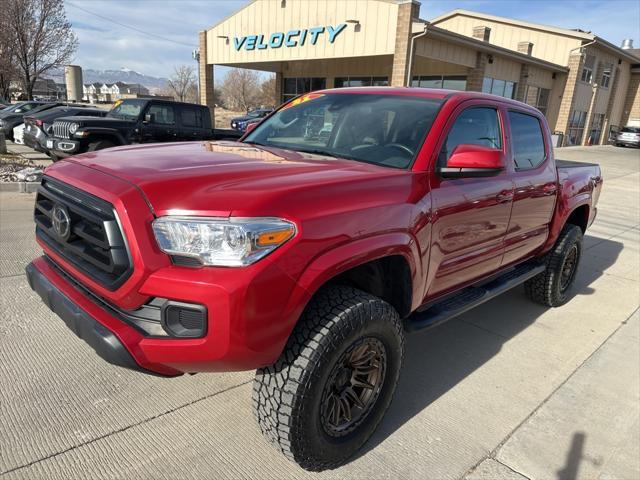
338	260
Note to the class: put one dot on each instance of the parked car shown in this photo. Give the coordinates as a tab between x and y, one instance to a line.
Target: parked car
309	256
134	121
240	123
13	116
38	127
18	134
628	137
4	104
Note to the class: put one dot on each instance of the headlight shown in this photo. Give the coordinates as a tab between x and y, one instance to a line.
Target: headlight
222	242
73	128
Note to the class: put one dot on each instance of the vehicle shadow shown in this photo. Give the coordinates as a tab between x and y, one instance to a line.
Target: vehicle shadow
437	360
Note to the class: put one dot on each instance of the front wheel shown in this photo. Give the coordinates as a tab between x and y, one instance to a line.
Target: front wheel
552	287
324	397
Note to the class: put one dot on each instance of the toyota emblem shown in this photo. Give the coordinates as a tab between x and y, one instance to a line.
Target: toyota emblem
61	221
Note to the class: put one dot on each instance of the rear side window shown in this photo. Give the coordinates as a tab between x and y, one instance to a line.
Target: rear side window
474	126
528	141
192	117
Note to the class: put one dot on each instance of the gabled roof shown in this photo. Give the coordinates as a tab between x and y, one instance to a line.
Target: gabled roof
576	33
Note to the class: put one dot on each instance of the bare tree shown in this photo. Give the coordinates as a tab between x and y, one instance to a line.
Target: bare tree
240	89
42	35
182	84
7	59
267	97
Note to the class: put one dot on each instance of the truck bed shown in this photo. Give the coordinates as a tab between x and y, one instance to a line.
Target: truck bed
572	164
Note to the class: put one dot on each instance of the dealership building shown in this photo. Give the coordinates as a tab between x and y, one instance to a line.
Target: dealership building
587	87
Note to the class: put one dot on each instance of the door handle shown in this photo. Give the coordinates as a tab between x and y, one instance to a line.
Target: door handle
504	196
550	189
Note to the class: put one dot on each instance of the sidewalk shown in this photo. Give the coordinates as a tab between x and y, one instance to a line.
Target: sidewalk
588	428
40	159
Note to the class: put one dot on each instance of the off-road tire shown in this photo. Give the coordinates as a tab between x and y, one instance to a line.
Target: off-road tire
546	287
100	145
287	396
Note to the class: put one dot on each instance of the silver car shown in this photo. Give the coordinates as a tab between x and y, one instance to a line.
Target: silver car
628	137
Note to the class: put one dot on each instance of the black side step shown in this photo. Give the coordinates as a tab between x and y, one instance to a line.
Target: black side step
471	297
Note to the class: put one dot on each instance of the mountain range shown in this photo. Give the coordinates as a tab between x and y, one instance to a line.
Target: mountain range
111	76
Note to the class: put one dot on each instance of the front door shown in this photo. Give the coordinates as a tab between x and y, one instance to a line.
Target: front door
159	124
470	215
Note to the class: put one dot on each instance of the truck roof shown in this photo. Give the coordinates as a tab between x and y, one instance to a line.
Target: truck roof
435	93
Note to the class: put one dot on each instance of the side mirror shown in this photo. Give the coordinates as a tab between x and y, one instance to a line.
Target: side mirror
150	118
473	161
251	127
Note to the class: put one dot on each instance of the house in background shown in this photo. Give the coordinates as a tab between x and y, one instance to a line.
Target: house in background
110	92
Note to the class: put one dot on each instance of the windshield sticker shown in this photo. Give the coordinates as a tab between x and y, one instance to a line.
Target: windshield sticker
118	102
304	98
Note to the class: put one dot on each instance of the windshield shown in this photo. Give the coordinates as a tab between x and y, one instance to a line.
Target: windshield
386	130
127	109
254	113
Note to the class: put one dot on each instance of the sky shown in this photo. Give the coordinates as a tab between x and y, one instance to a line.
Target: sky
164	32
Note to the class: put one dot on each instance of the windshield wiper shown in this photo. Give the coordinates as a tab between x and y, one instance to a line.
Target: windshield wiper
325	153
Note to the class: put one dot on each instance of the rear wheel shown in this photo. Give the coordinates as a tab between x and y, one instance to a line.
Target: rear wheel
553	286
324	397
100	145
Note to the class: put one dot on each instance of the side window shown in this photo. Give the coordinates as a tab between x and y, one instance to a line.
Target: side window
192	117
474	126
528	141
161	114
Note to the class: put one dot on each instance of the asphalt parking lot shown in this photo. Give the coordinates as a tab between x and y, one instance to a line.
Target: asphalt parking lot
510	390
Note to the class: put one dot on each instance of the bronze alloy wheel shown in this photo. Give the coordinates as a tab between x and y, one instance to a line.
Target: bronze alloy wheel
353	386
569	268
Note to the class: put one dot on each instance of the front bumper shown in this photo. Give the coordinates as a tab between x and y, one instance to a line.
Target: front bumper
106	344
63	147
628	143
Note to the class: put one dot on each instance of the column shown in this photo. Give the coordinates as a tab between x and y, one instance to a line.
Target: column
205	77
407	11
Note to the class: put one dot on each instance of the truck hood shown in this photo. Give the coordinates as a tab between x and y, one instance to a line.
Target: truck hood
87	120
221	178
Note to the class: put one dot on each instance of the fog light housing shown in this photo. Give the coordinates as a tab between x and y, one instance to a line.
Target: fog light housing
184	320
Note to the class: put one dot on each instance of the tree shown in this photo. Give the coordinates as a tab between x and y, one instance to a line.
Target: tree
7	59
182	85
267	97
42	36
240	89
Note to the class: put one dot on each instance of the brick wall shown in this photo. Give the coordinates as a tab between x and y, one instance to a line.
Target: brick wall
406	13
205	77
476	74
631	109
575	69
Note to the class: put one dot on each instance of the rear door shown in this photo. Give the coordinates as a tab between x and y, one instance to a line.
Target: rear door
535	181
470	215
192	123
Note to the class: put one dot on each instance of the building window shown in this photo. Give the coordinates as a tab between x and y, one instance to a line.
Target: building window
449	82
576	127
587	69
297	86
528	141
537	97
502	88
606	75
596	128
341	82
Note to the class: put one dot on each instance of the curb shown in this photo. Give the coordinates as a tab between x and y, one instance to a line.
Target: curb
19	187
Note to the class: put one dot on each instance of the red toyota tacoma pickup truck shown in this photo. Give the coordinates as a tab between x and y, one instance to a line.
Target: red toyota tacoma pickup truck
309	248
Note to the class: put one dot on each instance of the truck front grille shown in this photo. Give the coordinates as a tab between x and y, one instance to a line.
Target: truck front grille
61	129
83	230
